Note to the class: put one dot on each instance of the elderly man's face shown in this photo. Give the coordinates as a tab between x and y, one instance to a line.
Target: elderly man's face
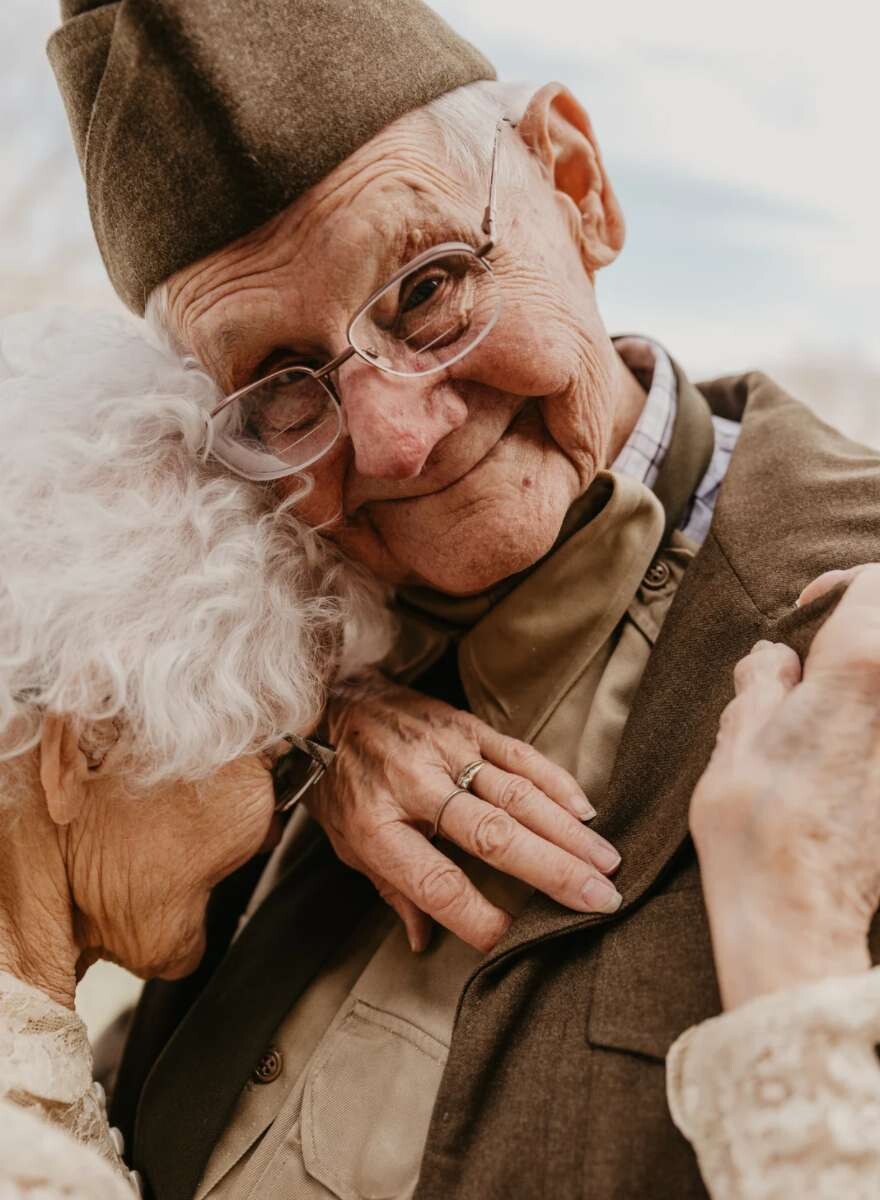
459	479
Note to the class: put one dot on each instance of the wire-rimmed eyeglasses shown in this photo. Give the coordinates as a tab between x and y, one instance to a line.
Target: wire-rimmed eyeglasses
428	316
299	769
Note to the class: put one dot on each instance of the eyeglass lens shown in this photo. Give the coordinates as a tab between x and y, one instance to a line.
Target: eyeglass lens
292	776
430	317
418	324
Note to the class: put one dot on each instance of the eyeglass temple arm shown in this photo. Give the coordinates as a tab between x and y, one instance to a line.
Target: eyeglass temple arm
319	751
488	226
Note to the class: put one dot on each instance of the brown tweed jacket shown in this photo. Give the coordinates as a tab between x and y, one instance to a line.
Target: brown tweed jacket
554	1088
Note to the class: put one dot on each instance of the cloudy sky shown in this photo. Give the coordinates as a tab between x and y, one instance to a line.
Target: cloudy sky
741	140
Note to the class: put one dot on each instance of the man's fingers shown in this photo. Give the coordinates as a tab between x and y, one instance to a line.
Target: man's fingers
438	887
529	806
416	923
495	836
521	759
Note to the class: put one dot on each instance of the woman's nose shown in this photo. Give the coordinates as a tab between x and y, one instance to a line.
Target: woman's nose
395	422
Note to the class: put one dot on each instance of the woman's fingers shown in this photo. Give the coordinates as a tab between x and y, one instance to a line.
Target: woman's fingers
761	680
533	809
846	650
554	781
824	583
769	671
495	836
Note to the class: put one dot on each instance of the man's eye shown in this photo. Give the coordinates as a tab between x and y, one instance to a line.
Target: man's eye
421	292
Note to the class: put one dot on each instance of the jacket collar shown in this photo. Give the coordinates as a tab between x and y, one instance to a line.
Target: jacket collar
519	662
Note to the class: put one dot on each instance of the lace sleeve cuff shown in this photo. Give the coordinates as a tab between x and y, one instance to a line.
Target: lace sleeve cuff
781	1098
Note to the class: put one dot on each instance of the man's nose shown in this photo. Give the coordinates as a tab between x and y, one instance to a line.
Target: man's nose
395	422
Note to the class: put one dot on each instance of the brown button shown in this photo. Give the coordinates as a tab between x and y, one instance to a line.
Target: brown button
657	575
269	1067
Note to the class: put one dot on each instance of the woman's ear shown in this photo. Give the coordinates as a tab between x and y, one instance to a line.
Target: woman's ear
558	132
64	771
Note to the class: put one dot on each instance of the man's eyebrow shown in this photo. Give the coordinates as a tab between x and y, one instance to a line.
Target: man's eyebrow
228	340
229	353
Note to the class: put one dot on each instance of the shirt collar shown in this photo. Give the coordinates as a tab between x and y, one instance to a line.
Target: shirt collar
645	448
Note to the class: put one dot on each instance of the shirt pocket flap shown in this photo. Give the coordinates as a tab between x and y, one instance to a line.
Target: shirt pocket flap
367	1105
655	976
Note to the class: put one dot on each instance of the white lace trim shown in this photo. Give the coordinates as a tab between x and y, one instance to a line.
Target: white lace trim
781	1097
46	1075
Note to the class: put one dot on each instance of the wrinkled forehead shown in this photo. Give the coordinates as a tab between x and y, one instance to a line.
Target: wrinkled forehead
312	266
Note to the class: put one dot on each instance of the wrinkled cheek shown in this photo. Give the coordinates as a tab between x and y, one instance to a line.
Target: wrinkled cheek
580	433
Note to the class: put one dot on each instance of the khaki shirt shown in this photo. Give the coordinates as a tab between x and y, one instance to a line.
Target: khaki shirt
360	1057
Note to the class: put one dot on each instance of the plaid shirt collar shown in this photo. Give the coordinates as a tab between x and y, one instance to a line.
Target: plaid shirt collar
646	446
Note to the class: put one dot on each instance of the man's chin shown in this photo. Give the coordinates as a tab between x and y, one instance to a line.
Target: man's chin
498	520
472	568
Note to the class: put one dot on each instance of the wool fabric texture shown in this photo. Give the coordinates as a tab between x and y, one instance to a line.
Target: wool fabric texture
196	121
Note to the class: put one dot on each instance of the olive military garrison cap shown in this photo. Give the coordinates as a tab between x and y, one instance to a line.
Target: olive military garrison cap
196	121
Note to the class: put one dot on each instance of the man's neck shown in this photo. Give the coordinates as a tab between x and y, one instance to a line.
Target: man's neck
37	942
630	398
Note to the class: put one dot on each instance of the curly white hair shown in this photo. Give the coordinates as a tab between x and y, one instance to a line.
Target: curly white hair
139	581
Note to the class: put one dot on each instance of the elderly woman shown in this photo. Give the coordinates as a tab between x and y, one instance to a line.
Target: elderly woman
161	629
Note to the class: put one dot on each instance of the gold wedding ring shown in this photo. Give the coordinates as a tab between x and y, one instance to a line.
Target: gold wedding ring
468	775
459	791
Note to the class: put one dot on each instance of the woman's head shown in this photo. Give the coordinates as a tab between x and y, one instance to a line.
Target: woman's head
158	622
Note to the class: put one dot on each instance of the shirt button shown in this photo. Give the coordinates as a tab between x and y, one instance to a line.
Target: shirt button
269	1067
657	575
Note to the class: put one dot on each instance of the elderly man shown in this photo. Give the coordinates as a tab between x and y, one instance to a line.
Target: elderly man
388	262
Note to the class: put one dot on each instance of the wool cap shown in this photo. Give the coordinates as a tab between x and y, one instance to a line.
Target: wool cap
196	121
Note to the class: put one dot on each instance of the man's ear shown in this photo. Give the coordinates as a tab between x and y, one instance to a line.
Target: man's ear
558	132
64	771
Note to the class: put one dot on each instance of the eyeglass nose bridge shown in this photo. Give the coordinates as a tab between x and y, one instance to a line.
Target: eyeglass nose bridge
328	377
350	351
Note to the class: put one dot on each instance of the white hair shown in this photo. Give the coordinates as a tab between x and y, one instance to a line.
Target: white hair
466	118
142	584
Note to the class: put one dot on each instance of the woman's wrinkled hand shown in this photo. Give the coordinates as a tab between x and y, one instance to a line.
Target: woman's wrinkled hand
399	754
786	818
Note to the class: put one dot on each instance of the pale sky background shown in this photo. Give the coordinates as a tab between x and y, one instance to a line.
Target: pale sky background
741	138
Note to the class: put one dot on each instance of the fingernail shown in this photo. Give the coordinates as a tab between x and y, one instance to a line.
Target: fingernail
602	896
605	856
584	810
763	644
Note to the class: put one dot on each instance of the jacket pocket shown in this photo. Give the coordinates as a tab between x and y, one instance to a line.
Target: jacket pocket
367	1105
655	975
